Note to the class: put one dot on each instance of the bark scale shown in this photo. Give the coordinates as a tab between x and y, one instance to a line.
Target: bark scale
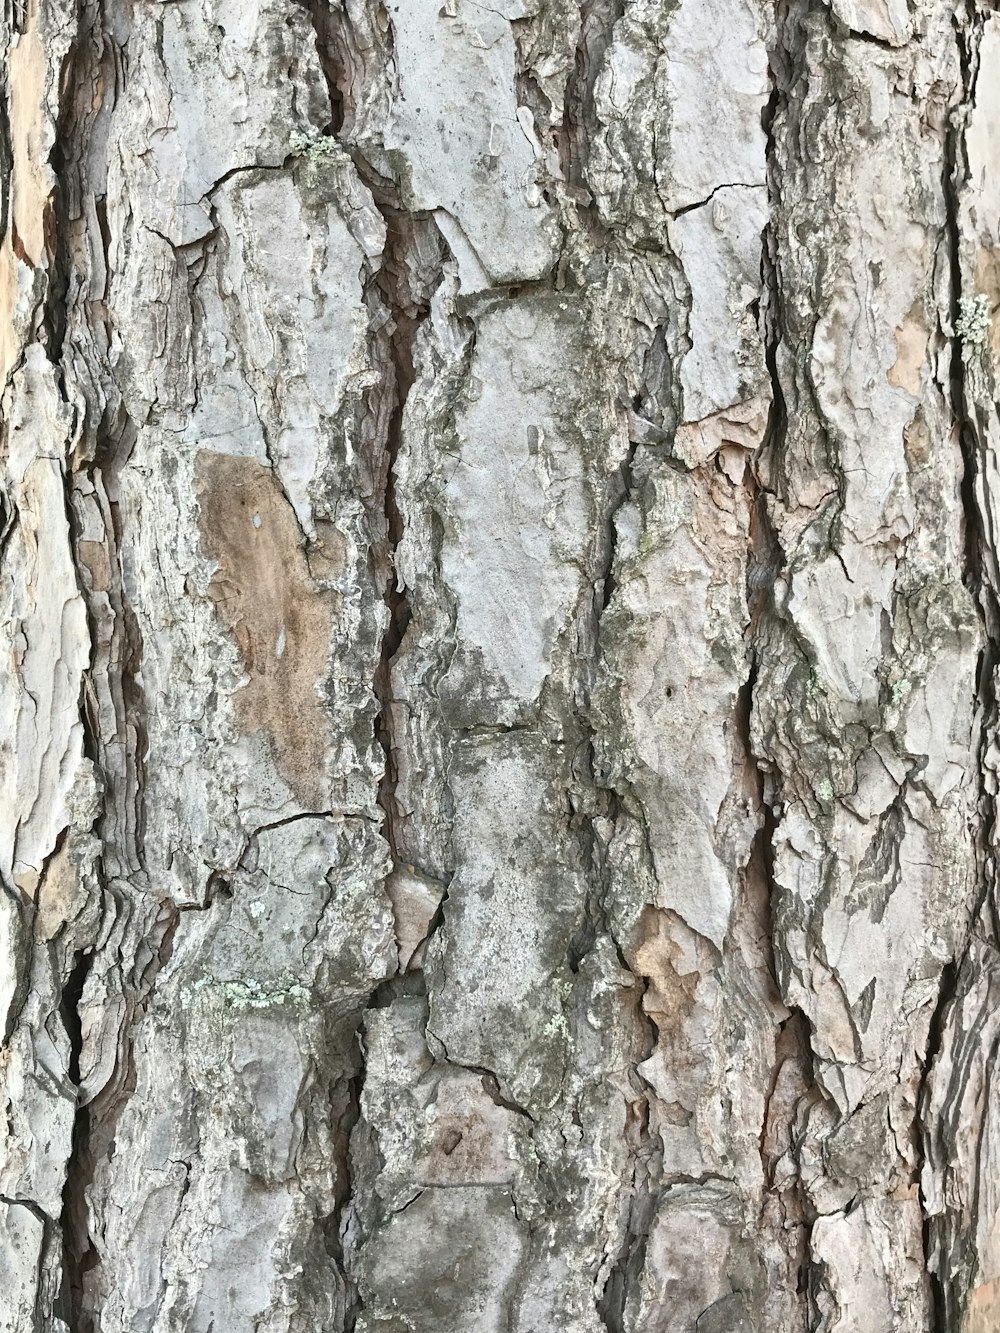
498	711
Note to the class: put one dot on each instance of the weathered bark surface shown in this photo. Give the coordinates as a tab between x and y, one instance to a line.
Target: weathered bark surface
498	695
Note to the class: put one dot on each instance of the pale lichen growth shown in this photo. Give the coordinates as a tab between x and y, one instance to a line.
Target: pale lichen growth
248	993
973	323
314	151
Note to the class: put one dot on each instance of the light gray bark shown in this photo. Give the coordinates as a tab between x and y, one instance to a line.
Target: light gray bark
498	693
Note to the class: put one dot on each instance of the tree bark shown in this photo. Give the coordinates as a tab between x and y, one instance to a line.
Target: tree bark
498	704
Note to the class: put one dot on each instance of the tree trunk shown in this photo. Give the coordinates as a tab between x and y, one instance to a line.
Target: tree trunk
498	714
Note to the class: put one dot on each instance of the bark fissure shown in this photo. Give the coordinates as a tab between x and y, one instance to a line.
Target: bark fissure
78	1249
404	320
940	1237
781	1125
597	24
645	1179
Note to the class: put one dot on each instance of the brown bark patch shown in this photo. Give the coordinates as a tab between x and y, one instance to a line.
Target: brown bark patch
911	345
32	187
60	896
674	960
30	179
984	1309
95	558
281	622
10	343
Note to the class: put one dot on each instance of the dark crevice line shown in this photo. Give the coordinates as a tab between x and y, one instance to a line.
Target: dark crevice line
597	23
765	562
405	321
92	62
940	1239
347	1113
934	1236
326	20
398	293
629	1263
701	203
626	1270
624	491
404	310
598	19
122	777
398	336
490	1080
123	771
6	163
79	1255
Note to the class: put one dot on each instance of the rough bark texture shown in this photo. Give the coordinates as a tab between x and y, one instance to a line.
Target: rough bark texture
499	682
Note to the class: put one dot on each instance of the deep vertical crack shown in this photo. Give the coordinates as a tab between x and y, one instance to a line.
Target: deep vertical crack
766	559
628	1262
402	290
398	294
79	1256
406	310
939	1234
597	25
87	67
